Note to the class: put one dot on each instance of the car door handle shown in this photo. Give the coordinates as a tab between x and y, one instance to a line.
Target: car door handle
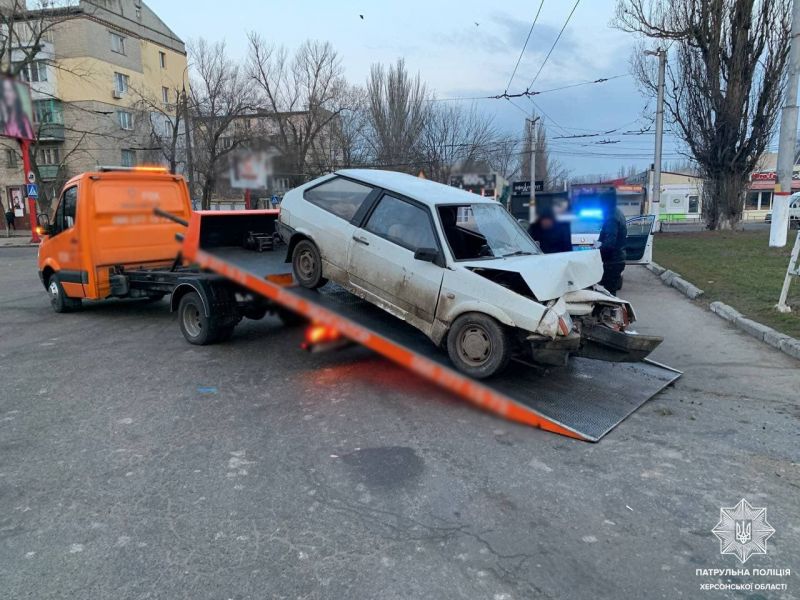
360	240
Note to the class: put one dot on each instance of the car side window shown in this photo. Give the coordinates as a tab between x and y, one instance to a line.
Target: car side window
340	196
65	213
402	223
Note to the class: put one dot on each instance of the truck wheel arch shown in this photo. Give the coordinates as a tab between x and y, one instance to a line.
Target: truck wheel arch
47	272
184	288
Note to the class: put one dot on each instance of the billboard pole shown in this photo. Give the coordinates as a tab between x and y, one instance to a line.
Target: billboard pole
25	147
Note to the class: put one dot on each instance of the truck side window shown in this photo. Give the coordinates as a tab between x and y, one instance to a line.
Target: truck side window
65	213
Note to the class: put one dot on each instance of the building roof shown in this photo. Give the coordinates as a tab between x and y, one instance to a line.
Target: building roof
423	190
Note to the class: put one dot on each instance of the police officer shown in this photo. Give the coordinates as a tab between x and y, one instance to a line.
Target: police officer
612	246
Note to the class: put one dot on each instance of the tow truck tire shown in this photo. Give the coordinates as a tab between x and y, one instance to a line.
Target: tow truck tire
478	345
59	300
307	265
196	327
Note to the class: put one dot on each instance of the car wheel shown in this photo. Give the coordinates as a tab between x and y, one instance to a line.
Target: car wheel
196	327
478	345
307	265
59	300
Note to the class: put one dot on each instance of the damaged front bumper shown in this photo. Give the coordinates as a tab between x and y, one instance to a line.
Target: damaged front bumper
597	342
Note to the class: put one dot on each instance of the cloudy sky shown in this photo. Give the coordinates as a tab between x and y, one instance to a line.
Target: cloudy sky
467	48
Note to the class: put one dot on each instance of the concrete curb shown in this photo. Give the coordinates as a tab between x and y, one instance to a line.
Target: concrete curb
671	278
776	339
18	245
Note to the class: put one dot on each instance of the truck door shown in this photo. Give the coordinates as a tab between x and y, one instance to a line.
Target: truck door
382	262
64	245
639	243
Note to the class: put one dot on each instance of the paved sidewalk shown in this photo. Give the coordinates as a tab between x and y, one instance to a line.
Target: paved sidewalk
18	239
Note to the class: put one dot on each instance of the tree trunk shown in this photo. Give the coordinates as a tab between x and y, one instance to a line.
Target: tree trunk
208	189
723	200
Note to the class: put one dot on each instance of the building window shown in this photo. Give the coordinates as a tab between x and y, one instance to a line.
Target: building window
125	119
226	143
34	72
121	82
128	158
751	202
165	95
49	156
162	59
48	111
694	204
11	159
766	200
117	43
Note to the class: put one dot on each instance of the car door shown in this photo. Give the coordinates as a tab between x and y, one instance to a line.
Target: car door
64	244
639	243
382	264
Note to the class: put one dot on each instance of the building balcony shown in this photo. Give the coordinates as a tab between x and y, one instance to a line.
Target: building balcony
48	172
51	132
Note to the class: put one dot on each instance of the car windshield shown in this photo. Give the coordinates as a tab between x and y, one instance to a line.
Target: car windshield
475	231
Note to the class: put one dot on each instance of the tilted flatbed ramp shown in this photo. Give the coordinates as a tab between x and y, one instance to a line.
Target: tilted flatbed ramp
584	400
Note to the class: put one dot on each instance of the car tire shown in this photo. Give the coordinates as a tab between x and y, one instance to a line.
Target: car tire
59	300
307	265
478	345
196	327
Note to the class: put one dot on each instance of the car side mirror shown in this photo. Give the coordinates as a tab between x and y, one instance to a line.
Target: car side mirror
43	221
430	255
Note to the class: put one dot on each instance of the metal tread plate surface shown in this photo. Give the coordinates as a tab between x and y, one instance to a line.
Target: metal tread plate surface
588	397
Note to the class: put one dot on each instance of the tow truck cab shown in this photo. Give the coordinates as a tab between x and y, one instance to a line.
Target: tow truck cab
104	224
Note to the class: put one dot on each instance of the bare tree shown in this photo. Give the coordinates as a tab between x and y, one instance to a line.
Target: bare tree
725	79
220	95
398	108
503	157
167	129
345	143
453	136
305	95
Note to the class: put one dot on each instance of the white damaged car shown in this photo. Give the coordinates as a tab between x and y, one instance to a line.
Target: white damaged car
459	268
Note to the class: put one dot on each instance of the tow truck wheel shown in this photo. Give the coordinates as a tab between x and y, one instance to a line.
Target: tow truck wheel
196	327
307	265
60	302
478	345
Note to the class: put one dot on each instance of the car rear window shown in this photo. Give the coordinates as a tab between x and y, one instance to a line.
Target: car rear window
340	196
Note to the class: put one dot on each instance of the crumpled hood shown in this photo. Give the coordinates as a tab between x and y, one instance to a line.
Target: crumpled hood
549	276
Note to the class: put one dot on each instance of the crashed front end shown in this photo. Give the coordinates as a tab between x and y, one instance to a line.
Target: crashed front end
580	317
590	323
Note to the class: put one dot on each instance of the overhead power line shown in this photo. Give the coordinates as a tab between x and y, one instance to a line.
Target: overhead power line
546	58
524	46
528	93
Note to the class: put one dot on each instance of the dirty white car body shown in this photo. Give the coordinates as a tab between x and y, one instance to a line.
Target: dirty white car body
444	259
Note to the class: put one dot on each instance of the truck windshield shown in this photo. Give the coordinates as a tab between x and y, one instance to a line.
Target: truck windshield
476	231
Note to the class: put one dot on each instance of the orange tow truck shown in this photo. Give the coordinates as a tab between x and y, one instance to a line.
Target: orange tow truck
116	233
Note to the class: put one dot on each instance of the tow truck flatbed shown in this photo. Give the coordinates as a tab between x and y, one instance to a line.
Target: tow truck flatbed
584	400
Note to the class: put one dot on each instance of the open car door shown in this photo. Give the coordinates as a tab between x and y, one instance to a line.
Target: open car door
639	243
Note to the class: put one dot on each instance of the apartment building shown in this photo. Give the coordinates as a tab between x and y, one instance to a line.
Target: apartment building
104	82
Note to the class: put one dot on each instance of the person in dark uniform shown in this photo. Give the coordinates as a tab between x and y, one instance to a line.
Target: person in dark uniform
551	235
9	214
612	247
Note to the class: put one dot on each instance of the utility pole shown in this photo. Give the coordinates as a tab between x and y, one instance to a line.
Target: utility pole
655	200
788	140
189	155
532	198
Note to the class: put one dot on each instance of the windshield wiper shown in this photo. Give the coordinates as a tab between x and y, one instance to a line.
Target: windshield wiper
517	253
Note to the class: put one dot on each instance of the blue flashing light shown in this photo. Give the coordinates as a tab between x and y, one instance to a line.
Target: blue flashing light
591	213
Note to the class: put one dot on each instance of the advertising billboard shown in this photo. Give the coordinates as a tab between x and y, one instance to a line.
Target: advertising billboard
16	110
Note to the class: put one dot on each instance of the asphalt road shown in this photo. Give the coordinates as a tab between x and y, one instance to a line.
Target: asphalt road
133	465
